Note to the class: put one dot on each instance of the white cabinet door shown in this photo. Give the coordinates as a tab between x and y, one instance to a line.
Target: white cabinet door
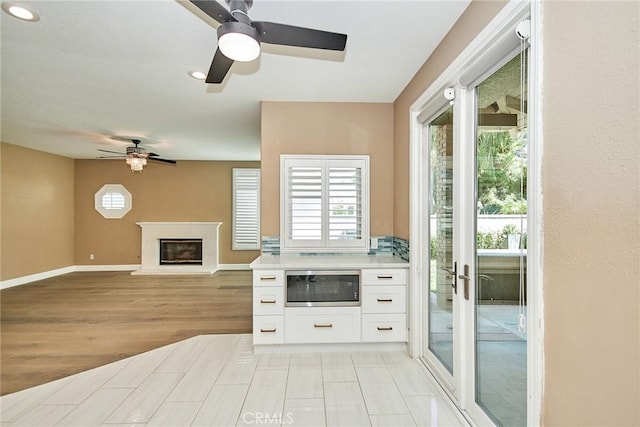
395	276
268	300
384	327
268	277
322	325
384	299
268	330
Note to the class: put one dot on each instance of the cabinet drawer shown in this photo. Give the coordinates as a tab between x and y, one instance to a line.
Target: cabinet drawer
268	277
268	330
397	276
384	299
268	300
322	325
384	327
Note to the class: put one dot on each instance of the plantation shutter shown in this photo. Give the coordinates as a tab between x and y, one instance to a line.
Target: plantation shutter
246	209
324	205
305	202
113	200
345	202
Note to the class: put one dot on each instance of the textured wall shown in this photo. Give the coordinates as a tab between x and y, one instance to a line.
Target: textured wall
472	21
37	212
591	187
328	128
189	191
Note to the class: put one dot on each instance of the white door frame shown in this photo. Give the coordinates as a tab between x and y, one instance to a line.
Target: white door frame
492	35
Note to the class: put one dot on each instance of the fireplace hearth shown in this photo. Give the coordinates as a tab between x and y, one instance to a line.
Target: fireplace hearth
180	251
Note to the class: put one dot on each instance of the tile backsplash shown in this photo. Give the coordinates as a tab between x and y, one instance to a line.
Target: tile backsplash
387	245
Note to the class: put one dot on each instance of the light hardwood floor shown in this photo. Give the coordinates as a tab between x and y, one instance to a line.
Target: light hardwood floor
67	324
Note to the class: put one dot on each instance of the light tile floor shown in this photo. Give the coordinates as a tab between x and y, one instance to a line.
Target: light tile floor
217	380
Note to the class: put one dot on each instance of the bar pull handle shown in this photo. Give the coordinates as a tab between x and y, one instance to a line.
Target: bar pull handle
453	273
385	328
267	330
267	301
466	279
323	325
385	300
380	276
267	277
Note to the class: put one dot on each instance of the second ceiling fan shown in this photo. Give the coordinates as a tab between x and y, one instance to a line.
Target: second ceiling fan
239	37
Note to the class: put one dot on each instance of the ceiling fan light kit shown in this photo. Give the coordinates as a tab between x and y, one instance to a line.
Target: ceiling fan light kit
239	37
238	41
137	163
136	156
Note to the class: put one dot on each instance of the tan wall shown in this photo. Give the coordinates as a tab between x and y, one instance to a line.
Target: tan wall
591	187
37	212
189	191
591	190
472	21
328	128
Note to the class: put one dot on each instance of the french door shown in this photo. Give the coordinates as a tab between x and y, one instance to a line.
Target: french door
474	291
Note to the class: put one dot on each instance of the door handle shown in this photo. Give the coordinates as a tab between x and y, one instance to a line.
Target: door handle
466	279
453	273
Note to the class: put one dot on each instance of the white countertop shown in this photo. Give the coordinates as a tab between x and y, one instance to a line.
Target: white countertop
502	252
284	262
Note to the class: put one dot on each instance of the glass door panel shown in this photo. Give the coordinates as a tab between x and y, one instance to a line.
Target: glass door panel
500	250
441	263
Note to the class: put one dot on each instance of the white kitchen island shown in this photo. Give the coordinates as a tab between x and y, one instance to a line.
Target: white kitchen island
378	319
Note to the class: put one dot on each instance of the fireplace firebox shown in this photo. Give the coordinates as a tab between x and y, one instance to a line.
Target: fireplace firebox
180	251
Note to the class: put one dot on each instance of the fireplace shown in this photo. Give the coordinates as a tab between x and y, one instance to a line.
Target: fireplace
178	248
180	251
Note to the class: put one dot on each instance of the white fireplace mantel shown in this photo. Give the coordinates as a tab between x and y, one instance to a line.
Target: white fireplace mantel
152	232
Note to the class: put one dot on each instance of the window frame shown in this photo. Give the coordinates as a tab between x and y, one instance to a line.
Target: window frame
325	243
236	244
111	213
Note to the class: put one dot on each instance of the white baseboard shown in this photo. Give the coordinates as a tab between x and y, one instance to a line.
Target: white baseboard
234	267
35	277
115	267
73	268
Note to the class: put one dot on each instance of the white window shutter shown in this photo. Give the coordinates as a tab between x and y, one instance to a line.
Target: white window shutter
305	203
324	203
246	209
345	203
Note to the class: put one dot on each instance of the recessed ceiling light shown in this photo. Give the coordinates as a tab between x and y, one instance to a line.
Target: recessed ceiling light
20	12
198	75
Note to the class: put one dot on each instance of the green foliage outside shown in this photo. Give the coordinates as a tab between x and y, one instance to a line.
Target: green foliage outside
502	174
498	239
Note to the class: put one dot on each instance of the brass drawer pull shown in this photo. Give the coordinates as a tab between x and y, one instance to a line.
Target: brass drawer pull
268	278
385	300
385	328
267	330
384	277
263	301
323	325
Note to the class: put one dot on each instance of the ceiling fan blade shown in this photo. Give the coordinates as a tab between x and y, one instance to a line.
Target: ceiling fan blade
109	151
289	35
111	157
158	159
219	68
214	10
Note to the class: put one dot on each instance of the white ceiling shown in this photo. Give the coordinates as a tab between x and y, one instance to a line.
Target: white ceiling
91	70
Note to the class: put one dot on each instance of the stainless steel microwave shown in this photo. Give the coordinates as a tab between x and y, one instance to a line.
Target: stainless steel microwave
325	288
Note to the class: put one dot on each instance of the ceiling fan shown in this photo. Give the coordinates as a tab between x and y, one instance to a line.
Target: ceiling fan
136	156
239	37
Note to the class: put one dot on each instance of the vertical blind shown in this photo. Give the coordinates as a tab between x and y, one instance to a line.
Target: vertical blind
246	209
